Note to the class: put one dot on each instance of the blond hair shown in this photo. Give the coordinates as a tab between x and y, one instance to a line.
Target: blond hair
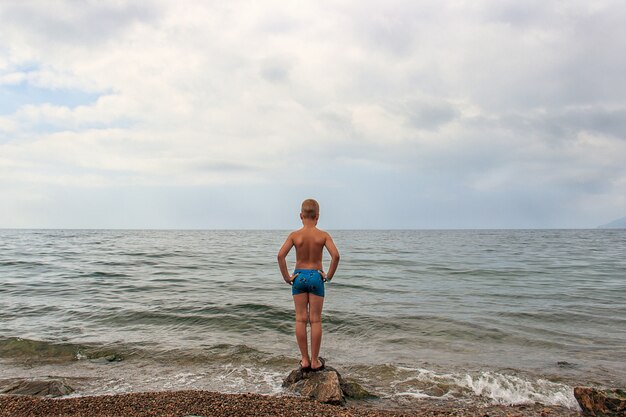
310	209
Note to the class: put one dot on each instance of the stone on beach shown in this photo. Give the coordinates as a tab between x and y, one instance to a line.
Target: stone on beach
45	387
610	402
353	390
326	386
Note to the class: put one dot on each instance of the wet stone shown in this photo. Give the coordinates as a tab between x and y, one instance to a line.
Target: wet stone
565	364
46	387
353	390
326	386
609	402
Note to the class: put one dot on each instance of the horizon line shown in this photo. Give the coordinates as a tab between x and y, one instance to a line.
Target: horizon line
333	229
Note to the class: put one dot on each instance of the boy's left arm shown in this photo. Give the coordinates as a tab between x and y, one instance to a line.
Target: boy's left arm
334	258
282	259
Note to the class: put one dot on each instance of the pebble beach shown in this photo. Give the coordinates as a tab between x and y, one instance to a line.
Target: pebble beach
207	403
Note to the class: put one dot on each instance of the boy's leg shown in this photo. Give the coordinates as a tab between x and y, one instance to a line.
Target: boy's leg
315	316
301	302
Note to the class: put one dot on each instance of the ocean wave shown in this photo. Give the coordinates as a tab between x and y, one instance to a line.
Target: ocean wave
483	386
17	349
104	274
242	368
235	317
511	389
20	263
29	350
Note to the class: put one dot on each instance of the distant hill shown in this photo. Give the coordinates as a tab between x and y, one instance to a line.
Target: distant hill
615	224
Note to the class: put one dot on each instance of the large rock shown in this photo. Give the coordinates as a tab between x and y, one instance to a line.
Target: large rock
611	402
46	387
326	386
353	390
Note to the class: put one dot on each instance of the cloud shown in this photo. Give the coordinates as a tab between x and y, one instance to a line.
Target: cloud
442	107
87	24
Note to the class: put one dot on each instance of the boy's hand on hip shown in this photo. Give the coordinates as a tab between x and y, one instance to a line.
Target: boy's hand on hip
292	278
323	274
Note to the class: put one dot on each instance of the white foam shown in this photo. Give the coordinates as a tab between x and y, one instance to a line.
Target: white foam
182	379
495	387
413	394
116	386
245	379
511	389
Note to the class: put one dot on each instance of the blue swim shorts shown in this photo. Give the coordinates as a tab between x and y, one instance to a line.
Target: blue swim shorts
308	280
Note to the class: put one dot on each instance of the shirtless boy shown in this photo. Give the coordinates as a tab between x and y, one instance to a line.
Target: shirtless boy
308	280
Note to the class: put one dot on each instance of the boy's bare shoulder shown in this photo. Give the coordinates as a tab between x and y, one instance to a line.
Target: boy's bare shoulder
318	237
324	233
295	233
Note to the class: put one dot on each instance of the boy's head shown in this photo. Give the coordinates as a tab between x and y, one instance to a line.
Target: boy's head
310	209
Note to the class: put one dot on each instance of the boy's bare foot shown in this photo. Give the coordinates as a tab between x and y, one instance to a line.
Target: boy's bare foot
305	364
318	364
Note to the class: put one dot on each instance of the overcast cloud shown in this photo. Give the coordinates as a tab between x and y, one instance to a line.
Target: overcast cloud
395	114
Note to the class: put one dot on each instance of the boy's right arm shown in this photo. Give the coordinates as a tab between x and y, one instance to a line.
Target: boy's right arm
334	257
282	259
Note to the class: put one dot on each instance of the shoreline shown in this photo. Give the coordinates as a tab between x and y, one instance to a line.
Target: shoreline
209	403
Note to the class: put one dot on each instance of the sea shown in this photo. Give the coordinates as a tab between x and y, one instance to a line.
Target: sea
481	316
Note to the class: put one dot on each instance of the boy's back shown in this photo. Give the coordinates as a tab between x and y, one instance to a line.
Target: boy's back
309	243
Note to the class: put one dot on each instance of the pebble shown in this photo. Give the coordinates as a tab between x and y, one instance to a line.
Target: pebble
194	403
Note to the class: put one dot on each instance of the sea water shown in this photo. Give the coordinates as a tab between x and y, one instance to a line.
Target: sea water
496	316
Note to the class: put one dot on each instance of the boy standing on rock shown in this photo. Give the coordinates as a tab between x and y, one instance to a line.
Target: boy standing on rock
308	280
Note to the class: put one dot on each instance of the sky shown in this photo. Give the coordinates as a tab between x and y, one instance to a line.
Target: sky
392	114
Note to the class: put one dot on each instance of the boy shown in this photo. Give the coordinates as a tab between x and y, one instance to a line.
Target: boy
308	280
